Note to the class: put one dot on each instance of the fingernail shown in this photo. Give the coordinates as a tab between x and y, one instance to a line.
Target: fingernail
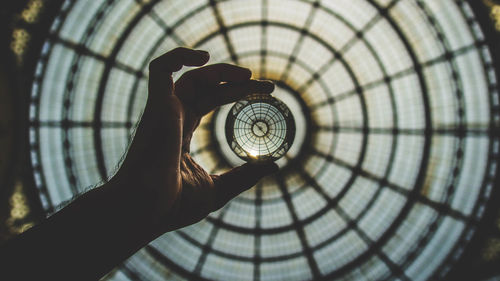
249	72
203	53
269	85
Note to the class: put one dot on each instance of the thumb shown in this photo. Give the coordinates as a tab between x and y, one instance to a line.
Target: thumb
232	183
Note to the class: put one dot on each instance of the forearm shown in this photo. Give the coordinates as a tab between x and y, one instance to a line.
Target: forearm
154	191
86	239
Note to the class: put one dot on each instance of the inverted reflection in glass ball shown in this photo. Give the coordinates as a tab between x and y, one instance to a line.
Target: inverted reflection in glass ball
260	128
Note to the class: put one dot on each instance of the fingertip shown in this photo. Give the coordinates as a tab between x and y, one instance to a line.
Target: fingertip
275	167
272	167
204	55
268	86
200	58
173	60
261	87
248	73
237	73
264	168
241	178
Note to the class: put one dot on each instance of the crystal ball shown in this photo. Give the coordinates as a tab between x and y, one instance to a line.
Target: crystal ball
260	128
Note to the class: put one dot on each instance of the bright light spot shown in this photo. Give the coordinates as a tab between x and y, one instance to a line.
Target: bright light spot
32	11
253	153
495	12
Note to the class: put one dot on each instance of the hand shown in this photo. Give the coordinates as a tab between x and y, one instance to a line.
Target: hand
158	167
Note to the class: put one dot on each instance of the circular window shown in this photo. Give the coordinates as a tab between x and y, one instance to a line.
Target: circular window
393	158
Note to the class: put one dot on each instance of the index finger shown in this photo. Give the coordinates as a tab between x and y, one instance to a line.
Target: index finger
174	60
217	73
161	68
232	91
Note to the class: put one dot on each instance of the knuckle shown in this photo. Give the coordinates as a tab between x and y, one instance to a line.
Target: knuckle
179	50
222	66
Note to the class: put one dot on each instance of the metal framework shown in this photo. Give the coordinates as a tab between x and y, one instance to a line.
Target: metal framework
393	179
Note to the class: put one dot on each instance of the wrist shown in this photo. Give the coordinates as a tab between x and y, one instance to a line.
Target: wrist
151	202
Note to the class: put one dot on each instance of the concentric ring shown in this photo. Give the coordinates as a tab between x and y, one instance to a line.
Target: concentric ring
395	102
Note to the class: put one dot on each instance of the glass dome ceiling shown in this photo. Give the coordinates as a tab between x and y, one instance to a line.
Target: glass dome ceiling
394	159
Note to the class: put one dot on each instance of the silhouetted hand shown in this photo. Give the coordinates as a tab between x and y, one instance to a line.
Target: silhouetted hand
158	166
158	187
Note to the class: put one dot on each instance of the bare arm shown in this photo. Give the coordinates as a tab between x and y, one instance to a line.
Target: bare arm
159	187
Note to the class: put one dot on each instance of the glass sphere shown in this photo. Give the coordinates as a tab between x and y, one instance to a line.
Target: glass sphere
260	128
